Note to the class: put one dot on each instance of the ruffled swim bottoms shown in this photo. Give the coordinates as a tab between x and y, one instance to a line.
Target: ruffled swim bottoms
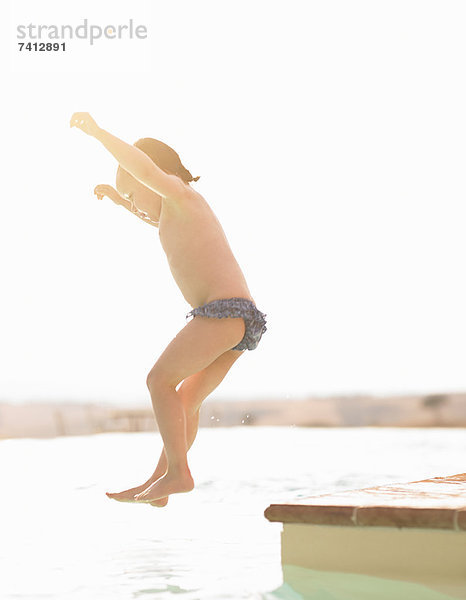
254	319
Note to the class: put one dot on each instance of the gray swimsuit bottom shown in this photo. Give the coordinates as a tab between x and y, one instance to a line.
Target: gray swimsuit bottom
254	319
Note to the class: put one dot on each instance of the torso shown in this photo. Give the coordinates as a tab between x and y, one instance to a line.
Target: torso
199	255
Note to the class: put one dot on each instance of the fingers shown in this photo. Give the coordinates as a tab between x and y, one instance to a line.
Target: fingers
99	191
102	189
79	119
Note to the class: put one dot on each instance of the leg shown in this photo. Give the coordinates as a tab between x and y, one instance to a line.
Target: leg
195	347
192	424
193	391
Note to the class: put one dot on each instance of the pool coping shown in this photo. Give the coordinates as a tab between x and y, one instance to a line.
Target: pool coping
435	503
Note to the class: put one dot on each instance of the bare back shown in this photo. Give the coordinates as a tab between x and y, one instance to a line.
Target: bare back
198	252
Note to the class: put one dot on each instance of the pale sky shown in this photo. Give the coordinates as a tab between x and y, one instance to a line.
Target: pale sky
330	141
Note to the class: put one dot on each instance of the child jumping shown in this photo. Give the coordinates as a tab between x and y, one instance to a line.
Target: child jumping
153	184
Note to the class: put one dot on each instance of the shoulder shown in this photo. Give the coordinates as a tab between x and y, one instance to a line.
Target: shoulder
186	201
182	192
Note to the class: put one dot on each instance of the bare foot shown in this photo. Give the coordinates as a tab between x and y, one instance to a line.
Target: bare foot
160	502
166	485
128	495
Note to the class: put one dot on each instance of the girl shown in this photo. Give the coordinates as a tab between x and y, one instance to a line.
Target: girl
153	184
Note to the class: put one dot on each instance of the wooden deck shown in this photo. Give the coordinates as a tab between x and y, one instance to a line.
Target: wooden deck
411	534
437	503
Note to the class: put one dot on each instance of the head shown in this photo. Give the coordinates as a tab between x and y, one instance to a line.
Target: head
165	158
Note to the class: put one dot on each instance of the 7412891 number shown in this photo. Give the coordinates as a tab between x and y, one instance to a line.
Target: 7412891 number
42	46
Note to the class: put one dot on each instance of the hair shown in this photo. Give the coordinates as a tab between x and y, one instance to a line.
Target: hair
165	158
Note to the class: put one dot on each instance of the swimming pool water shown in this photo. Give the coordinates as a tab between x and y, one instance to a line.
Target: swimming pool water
61	537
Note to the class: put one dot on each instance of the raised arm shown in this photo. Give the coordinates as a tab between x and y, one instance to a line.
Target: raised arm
132	159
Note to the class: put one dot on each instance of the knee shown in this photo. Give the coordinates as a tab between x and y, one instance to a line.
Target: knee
191	397
191	404
150	380
155	381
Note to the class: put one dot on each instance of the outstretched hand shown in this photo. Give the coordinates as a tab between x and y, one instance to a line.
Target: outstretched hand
103	189
84	121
